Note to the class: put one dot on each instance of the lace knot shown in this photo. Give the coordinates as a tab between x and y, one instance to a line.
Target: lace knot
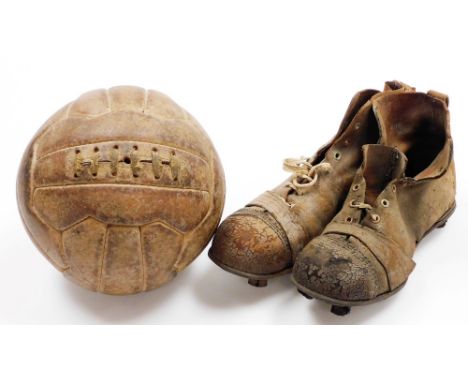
305	174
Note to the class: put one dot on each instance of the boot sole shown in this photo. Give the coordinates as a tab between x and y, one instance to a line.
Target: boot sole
253	279
343	307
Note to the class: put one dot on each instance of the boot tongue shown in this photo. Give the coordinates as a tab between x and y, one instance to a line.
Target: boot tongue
381	164
397	85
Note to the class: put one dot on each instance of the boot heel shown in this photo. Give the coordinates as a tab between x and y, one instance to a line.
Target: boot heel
442	223
445	218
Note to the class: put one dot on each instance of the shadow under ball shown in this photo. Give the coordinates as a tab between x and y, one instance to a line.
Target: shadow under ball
121	190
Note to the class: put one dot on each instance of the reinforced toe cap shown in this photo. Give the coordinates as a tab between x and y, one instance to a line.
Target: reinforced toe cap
250	243
340	267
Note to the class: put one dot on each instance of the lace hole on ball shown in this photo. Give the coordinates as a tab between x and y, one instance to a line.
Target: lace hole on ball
355	187
375	218
349	219
337	155
385	202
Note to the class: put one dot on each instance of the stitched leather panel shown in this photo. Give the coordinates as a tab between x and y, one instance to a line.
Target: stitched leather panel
276	206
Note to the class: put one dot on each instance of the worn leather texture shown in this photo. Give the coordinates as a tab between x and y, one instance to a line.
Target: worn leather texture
402	190
121	190
265	237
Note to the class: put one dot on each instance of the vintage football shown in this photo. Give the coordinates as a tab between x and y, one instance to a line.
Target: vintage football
121	190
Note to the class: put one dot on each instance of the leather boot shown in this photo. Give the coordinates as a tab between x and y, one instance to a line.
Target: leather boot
400	193
261	240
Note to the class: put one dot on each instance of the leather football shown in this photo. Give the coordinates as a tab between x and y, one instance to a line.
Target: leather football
121	189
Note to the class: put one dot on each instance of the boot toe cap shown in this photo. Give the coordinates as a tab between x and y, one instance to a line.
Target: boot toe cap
248	244
340	268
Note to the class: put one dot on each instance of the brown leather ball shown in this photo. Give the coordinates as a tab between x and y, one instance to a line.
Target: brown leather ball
121	190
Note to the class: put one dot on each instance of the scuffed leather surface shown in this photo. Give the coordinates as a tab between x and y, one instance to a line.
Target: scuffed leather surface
414	205
308	214
341	267
121	189
252	243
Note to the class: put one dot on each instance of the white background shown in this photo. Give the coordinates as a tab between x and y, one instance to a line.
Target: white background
267	80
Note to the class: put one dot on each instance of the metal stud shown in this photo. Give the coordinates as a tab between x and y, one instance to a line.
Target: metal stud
340	310
258	283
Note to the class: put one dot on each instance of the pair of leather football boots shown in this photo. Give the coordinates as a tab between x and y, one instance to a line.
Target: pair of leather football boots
347	222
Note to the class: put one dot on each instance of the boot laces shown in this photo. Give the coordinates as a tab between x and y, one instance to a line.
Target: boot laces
365	206
305	174
360	205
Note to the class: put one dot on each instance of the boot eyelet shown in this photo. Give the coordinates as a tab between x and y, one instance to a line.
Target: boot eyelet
337	155
385	203
375	218
349	219
351	203
393	188
355	187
